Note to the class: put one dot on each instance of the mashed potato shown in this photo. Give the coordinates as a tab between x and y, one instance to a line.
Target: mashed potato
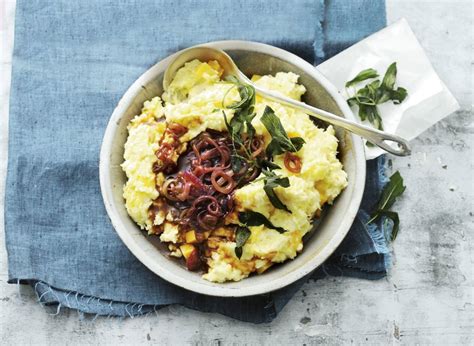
195	100
144	132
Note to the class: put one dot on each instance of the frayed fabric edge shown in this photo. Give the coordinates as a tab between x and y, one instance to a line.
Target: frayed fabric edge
55	300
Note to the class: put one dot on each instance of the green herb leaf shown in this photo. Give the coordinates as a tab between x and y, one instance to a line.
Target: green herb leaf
297	142
395	219
268	165
382	96
242	234
375	118
362	76
280	142
375	93
373	86
352	101
371	114
365	96
390	76
274	199
252	218
390	193
272	181
399	95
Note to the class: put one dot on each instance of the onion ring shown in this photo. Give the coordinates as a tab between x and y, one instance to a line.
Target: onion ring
166	189
257	146
292	163
222	182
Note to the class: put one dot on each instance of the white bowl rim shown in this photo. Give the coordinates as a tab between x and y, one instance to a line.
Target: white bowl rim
219	289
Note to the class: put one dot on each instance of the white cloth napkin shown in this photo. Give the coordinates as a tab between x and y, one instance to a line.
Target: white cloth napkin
428	99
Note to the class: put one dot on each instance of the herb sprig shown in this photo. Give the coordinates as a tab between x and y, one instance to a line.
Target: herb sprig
280	142
239	127
241	124
392	190
375	93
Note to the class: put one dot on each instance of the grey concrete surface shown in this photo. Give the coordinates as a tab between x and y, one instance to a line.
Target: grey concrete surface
426	299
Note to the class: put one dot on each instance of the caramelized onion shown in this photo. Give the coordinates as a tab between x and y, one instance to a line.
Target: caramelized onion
292	163
222	182
177	129
207	221
168	189
191	178
168	149
184	193
257	146
201	192
205	202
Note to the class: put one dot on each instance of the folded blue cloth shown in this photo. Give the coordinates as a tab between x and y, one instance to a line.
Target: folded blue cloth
72	62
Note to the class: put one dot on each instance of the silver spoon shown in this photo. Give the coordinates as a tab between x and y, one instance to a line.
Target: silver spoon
203	53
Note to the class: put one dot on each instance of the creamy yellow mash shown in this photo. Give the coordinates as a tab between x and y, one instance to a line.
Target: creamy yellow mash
194	100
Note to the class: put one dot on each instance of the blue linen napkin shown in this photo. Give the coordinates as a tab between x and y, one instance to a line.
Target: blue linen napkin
72	62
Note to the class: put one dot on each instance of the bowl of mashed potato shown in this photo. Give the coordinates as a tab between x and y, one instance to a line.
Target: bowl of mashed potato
221	191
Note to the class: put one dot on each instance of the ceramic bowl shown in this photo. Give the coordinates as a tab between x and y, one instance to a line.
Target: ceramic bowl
252	58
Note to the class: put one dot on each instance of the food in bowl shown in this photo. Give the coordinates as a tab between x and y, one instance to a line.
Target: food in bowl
231	182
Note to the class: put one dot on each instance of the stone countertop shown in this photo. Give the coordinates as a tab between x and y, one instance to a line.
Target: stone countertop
427	297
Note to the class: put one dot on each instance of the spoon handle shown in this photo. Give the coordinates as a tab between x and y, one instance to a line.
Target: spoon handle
377	137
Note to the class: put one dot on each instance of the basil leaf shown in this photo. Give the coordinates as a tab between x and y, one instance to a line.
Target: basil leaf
242	234
273	149
275	128
390	76
363	112
274	199
371	114
297	142
247	97
373	86
268	165
252	218
392	190
363	75
365	96
352	101
397	96
382	96
395	219
272	181
376	119
280	142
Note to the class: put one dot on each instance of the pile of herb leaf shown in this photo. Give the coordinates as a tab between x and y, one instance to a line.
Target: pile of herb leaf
240	125
375	93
